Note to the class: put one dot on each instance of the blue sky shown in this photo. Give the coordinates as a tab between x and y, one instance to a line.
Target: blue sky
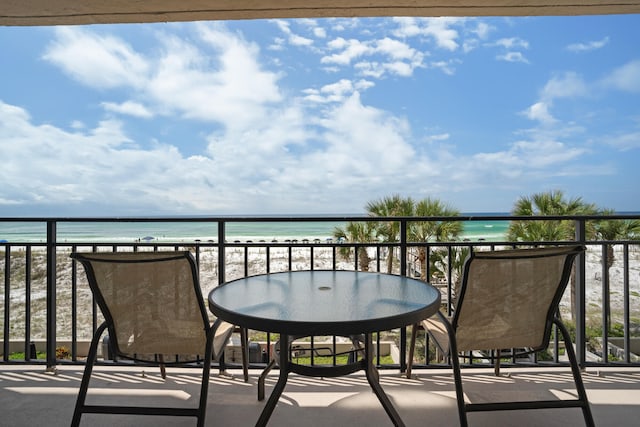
318	116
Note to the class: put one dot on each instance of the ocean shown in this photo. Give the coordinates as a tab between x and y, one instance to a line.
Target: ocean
161	232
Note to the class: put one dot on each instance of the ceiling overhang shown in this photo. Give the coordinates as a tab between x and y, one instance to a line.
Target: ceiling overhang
77	12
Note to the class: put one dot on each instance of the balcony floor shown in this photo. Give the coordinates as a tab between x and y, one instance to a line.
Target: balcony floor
31	397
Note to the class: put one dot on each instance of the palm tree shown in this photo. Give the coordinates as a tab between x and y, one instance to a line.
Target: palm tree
389	231
356	232
443	261
429	231
551	203
610	230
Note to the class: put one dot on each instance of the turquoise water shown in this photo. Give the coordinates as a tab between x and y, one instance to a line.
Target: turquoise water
27	232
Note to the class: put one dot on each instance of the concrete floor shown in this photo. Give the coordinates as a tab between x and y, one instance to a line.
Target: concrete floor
31	397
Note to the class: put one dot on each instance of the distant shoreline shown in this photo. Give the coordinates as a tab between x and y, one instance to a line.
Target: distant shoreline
188	232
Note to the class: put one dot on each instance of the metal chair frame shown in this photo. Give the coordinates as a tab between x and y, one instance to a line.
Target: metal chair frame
552	318
108	325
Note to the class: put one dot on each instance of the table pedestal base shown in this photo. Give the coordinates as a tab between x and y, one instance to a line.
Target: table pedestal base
286	366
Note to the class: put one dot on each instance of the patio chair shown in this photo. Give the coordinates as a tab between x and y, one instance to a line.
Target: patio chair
509	300
155	315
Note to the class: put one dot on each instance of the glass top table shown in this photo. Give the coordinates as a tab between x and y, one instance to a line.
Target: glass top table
325	302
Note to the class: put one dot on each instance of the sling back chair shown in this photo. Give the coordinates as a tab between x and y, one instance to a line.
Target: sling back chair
155	314
508	300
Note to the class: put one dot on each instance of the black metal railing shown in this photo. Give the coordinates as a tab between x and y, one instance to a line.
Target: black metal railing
46	303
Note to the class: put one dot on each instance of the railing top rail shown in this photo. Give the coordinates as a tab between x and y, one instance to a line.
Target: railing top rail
323	218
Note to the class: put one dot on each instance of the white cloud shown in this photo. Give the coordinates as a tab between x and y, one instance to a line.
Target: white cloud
364	84
130	108
95	60
624	142
320	32
179	80
512	43
540	160
447	67
512	57
233	91
439	137
589	46
439	29
391	56
376	138
540	112
469	45
511	47
294	39
350	50
336	92
625	78
545	153
564	85
483	30
314	27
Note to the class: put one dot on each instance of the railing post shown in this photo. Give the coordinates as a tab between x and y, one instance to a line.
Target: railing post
580	262
51	295
606	309
28	344
403	247
221	252
7	303
627	307
403	272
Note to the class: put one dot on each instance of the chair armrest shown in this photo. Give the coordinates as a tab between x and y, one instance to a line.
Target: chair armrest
437	329
221	333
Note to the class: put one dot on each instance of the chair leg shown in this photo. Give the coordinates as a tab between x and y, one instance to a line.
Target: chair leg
86	376
244	338
412	346
163	369
457	375
204	389
263	377
577	377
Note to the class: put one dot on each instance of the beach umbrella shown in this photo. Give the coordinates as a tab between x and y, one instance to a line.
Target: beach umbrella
148	238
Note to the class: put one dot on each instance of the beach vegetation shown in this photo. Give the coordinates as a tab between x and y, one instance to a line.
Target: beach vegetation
19	355
436	231
551	203
389	231
450	260
610	230
356	232
63	353
339	360
418	231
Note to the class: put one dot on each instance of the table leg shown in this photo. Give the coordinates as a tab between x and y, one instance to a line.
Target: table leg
374	381
279	387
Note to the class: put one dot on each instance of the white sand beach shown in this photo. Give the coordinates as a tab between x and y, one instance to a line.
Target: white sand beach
279	260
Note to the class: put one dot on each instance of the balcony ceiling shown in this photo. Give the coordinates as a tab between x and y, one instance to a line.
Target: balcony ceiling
70	12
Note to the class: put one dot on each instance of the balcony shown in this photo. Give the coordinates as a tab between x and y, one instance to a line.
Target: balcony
49	316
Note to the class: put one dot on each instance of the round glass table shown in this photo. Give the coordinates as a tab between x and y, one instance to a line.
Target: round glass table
325	302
